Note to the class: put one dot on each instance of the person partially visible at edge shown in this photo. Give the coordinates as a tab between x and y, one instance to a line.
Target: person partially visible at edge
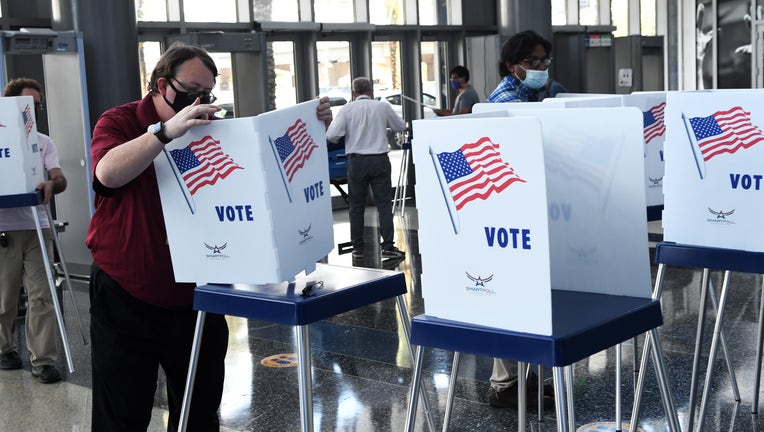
524	67
141	318
467	97
22	262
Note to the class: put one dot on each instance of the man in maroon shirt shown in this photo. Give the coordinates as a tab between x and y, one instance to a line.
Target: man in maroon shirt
140	317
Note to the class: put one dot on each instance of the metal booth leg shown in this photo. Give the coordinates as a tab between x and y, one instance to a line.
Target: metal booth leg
712	352
67	279
560	402
415	385
187	394
571	410
406	325
759	342
54	296
451	390
618	359
522	408
304	377
663	383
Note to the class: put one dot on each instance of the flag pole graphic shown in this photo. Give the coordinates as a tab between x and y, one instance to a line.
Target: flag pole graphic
446	192
280	165
699	160
181	182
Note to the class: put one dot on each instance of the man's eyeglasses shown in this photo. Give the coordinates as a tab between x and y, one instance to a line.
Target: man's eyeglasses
535	63
204	97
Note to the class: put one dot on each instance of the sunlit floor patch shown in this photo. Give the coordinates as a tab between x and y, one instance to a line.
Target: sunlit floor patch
280	360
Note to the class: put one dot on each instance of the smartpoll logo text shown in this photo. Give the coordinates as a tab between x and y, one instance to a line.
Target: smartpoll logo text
479	287
216	252
721	217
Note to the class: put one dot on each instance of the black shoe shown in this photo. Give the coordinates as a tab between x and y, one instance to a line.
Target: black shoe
392	252
10	361
47	374
507	398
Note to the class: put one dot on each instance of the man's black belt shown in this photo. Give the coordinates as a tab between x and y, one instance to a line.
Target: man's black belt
366	155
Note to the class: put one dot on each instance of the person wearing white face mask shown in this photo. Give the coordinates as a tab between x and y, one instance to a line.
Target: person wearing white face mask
524	66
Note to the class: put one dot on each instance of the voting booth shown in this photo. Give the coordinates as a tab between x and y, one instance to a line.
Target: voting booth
714	156
653	108
247	200
514	202
652	105
21	167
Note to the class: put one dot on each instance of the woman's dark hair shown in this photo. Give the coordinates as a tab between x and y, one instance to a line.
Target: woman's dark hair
176	55
519	47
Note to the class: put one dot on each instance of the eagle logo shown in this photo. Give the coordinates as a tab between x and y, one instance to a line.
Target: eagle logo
216	249
655	180
304	233
720	214
479	281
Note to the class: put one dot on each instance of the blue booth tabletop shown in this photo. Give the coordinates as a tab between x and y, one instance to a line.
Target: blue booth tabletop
328	291
582	324
21	200
686	255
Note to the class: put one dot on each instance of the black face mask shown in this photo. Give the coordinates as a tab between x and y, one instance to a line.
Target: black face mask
184	99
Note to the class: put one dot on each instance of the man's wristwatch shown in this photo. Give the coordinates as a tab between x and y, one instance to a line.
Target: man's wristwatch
158	130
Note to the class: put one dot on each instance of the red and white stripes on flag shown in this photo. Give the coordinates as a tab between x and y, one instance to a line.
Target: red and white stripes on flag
203	163
725	132
475	171
654	125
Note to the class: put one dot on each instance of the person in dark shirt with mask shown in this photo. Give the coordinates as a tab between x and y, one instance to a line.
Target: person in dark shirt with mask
524	66
141	318
467	97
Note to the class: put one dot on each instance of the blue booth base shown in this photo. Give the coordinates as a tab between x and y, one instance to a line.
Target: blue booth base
582	324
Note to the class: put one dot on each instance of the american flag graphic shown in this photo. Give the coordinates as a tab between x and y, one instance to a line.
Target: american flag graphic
725	132
28	119
475	171
294	148
203	163
653	122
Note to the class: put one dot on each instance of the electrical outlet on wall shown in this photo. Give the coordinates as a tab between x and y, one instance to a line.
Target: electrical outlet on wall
624	77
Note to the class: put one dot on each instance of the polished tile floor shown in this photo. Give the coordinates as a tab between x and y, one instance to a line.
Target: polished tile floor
362	366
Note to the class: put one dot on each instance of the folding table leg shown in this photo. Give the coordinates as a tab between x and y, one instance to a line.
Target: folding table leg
304	377
712	352
759	342
560	403
451	390
54	295
188	392
415	387
406	325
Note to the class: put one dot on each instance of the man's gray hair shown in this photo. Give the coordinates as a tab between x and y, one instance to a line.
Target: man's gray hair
362	85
